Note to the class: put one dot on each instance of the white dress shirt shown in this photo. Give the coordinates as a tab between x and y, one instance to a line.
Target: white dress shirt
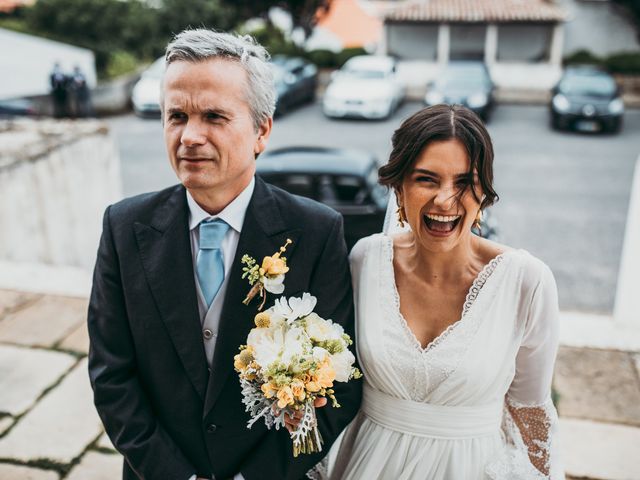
233	214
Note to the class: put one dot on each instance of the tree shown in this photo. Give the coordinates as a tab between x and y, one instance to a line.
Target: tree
176	15
634	7
303	12
104	26
111	28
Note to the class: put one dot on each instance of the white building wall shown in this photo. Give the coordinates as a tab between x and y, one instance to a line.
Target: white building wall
524	43
602	27
26	62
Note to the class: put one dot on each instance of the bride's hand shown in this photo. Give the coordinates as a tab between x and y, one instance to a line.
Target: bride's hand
292	422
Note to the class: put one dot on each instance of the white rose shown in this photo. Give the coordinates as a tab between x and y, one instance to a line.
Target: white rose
274	285
342	363
294	307
321	330
319	354
267	344
294	345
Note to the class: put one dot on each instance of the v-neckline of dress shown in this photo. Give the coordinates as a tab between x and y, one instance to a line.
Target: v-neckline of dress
474	290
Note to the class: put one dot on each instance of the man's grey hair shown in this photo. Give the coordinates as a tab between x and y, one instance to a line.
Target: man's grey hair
201	44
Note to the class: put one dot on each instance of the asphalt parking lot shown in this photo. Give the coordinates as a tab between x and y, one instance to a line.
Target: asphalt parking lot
563	196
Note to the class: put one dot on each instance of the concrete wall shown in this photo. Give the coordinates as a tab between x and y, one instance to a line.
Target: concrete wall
601	27
56	178
413	42
524	43
625	311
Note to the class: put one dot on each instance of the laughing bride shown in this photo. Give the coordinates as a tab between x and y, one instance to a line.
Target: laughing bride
457	335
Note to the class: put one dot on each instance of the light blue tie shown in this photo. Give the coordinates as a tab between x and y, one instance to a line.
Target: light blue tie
209	263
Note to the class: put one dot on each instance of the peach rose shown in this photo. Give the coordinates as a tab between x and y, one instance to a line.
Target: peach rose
297	387
274	266
268	389
285	397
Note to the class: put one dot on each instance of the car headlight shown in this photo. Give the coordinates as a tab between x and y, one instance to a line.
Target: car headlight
616	106
433	98
477	100
561	103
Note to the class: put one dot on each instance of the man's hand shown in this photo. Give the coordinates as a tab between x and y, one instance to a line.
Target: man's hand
292	422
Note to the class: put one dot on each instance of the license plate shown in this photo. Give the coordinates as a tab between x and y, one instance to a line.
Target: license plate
587	126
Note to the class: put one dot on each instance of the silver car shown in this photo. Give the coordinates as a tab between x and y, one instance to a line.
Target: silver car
146	92
365	87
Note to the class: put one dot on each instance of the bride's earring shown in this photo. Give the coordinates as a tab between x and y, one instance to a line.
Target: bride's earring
478	220
402	218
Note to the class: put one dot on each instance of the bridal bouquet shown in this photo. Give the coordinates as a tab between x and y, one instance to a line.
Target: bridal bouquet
292	357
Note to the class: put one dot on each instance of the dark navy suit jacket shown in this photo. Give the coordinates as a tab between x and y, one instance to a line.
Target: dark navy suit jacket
167	411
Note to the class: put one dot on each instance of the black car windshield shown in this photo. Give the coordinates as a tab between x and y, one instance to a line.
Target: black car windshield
596	85
461	80
364	74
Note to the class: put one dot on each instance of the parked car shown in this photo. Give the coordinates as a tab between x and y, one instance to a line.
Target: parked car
586	99
466	83
344	179
16	107
146	92
296	81
366	86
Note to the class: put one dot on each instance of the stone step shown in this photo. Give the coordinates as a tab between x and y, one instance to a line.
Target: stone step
44	322
25	373
105	442
599	385
97	466
12	300
599	450
60	427
18	472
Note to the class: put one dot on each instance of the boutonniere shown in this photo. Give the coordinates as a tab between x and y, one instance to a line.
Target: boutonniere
268	277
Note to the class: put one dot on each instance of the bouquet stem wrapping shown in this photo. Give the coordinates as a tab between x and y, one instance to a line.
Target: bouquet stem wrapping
311	441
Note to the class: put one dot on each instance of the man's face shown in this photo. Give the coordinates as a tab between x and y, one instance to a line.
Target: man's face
208	129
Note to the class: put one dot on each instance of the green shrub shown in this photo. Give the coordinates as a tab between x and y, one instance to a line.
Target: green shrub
120	63
583	57
323	58
274	40
624	62
348	53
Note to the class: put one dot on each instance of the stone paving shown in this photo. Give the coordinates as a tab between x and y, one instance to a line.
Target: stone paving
49	429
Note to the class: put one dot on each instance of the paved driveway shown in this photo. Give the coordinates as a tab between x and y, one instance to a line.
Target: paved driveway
563	195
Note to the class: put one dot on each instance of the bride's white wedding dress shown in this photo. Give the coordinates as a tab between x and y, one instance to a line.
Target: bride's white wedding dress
475	403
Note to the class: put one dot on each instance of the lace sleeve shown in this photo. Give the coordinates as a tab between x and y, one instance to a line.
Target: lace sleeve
530	418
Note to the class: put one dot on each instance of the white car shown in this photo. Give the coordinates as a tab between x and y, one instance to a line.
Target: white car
146	92
366	86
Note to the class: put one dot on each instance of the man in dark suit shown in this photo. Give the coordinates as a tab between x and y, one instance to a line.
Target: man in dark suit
166	315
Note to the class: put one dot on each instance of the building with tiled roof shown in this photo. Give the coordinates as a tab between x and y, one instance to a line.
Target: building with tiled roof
477	11
346	24
8	6
520	41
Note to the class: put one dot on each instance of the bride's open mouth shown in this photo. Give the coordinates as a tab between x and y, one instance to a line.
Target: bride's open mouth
441	224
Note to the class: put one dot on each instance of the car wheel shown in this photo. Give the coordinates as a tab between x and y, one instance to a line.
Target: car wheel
555	122
312	96
616	125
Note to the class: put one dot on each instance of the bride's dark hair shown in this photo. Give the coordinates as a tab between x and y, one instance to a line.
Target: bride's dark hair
438	123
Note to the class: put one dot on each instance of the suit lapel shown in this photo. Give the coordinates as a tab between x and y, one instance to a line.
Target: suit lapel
263	232
165	251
